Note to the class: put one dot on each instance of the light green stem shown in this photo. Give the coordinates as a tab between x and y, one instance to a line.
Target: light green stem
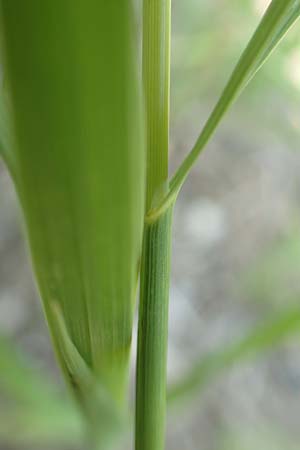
155	269
156	83
153	336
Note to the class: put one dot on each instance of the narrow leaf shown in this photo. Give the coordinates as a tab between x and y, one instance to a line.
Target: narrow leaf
256	341
279	17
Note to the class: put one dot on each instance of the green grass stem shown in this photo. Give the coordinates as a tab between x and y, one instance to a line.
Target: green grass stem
155	269
153	336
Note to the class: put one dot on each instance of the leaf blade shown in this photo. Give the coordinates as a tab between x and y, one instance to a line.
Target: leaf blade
278	19
80	160
261	338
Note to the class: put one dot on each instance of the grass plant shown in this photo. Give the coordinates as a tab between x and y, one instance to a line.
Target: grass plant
87	144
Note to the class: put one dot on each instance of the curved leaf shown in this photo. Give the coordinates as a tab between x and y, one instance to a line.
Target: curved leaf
279	17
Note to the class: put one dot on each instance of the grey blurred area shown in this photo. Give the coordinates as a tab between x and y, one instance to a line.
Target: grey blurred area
236	252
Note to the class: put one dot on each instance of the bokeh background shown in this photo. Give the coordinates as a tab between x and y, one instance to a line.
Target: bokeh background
236	257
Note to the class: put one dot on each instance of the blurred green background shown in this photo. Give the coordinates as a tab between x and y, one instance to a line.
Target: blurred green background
236	259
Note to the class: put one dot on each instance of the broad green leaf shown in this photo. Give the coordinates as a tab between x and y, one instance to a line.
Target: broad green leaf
279	17
79	156
263	337
103	414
